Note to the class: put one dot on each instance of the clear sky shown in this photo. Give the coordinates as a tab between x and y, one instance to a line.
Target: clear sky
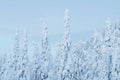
86	16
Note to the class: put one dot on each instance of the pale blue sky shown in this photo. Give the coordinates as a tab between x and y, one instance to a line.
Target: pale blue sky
86	16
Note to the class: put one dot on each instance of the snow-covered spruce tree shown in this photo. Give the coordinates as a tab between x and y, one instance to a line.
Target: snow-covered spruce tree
16	55
6	71
45	52
99	65
116	69
78	61
63	68
115	53
2	71
66	47
57	62
3	68
36	64
108	44
86	71
23	69
1	63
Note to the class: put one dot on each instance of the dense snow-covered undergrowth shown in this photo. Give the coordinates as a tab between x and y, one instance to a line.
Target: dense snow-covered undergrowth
95	59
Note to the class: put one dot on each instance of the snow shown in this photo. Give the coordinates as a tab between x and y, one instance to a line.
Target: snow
95	59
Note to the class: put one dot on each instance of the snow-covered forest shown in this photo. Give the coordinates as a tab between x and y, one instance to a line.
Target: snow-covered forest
95	59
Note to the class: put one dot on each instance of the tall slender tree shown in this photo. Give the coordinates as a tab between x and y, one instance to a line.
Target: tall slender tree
36	64
16	55
23	71
108	36
45	52
6	72
63	67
